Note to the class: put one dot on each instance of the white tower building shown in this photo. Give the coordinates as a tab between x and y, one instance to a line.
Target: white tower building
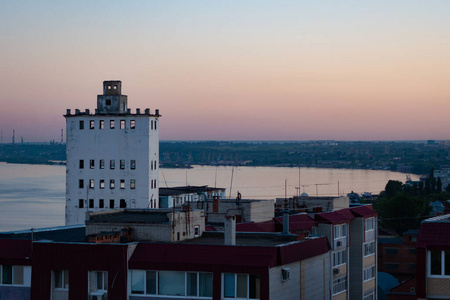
112	156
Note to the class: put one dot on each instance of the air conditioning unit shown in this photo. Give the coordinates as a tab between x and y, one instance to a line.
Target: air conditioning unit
286	274
98	295
336	271
338	243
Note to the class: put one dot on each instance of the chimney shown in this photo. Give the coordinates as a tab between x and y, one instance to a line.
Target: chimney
230	230
286	222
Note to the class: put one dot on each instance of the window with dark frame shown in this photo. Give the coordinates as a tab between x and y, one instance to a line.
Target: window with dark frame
91	124
122	124
80	203
112	185
81	124
122	183
81	165
111	124
102	163
101	203
132	124
132	184
111	203
91	183
101	124
123	203
102	183
122	164
81	183
112	164
133	164
92	164
91	203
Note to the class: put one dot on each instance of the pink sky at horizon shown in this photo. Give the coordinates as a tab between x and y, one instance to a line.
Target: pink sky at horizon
232	70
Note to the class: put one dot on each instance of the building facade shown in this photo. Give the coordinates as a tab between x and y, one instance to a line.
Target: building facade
112	156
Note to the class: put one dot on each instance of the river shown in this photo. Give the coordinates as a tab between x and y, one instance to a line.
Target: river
33	196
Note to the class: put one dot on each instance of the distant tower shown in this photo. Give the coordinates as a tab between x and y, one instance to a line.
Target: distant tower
62	135
112	156
14	137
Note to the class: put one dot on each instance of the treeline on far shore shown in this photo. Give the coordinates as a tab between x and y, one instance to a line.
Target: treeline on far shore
417	157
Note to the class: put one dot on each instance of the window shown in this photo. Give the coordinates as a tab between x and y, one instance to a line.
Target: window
339	285
111	203
81	183
101	203
102	163
91	124
112	184
122	164
123	203
81	125
15	275
132	124
98	281
171	283
122	183
369	273
438	263
340	231
132	184
151	124
60	279
111	124
91	163
369	295
112	164
122	124
369	248
133	164
155	124
80	203
102	183
196	231
91	203
339	258
108	102
245	286
369	223
101	124
91	183
391	266
81	164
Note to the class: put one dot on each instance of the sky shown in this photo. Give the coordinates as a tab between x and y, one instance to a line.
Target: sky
232	70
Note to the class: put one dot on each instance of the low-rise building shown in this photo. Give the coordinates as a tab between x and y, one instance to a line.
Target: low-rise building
180	195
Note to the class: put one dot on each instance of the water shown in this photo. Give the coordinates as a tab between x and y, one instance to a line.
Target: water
34	195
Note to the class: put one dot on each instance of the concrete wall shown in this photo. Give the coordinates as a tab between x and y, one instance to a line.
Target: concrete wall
315	275
288	289
140	144
14	292
249	210
261	211
163	232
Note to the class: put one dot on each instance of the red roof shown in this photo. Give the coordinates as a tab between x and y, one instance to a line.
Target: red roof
434	234
298	222
335	217
15	251
364	211
203	256
268	226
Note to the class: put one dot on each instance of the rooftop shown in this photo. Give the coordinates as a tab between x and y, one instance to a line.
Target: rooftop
145	216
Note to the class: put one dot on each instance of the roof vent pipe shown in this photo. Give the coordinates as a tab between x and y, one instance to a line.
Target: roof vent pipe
286	222
230	230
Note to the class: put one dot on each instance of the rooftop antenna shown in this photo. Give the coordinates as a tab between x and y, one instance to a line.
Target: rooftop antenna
231	183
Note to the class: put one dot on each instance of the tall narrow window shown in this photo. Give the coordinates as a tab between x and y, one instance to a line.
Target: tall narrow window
81	164
92	163
102	163
91	203
122	183
101	203
81	183
91	183
156	122
112	164
111	203
122	164
102	183
133	164
151	122
111	184
80	203
132	124
123	203
132	184
81	124
122	124
111	124
61	279
101	124
91	124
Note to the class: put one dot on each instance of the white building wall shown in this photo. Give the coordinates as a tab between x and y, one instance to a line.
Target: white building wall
285	289
315	273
